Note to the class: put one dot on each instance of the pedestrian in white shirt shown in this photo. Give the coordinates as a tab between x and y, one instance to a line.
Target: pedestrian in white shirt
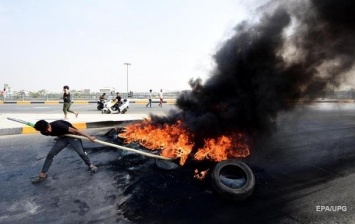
161	98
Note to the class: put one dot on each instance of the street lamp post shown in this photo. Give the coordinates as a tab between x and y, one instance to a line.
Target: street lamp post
127	77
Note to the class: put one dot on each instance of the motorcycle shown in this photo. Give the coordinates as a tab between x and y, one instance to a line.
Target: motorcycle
100	104
112	106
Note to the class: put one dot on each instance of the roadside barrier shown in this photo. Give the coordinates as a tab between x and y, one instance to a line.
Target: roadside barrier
137	101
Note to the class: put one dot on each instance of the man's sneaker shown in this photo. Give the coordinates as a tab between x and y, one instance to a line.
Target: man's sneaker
92	169
39	179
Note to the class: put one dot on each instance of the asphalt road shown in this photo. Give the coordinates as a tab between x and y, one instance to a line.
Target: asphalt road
304	174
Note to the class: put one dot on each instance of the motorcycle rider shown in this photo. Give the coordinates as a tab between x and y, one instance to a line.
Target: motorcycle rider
101	101
117	102
103	97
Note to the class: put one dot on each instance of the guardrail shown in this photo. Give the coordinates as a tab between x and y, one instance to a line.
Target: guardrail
341	95
52	102
80	96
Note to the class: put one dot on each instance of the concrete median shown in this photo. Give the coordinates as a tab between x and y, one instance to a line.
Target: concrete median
85	121
78	125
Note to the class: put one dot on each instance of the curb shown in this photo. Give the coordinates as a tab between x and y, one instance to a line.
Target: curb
78	125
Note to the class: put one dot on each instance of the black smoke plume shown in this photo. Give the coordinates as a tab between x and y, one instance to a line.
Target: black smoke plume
291	55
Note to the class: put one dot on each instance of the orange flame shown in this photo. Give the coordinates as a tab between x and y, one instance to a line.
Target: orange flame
174	141
223	147
200	175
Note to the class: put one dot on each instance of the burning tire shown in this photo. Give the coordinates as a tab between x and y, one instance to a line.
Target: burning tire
166	165
233	180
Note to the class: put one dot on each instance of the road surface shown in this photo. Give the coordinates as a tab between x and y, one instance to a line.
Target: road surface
304	174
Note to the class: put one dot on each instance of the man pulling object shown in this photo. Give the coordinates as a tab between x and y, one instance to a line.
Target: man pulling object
60	128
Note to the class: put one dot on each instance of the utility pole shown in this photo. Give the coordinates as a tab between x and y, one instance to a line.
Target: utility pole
127	77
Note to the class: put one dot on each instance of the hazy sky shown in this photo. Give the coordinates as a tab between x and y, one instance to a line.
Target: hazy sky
46	44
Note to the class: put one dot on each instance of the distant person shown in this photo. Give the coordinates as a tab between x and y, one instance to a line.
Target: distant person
101	101
161	98
103	97
67	101
4	94
118	97
117	101
111	96
60	128
149	99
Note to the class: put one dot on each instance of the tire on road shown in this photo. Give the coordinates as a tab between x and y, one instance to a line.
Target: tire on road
166	164
233	180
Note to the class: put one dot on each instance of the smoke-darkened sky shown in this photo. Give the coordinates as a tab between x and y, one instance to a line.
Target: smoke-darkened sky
294	51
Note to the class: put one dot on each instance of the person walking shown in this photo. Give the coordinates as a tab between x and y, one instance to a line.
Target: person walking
149	99
59	128
67	101
161	98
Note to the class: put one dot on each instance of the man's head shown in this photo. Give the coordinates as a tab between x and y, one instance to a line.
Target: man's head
66	87
43	126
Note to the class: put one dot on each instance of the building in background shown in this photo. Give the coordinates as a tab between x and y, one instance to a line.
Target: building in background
86	91
110	92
